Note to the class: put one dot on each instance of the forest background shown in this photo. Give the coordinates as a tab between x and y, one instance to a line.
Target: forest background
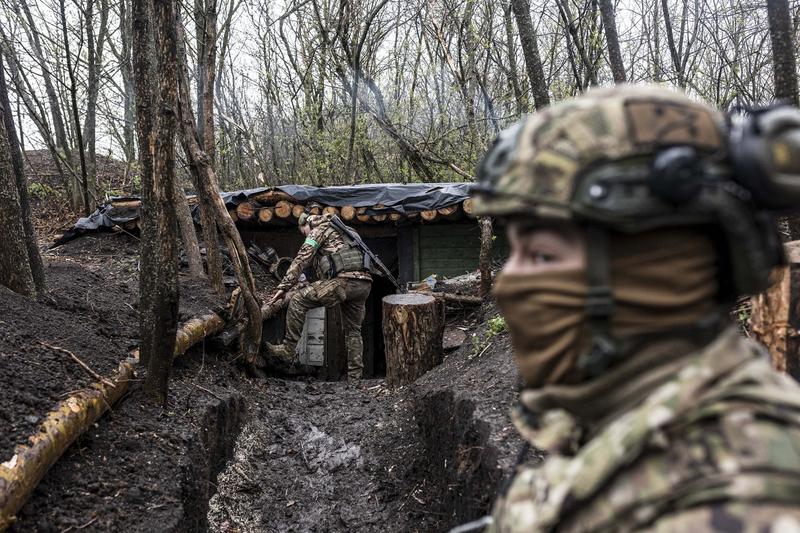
353	91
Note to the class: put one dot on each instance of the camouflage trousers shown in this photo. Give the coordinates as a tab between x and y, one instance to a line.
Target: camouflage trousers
352	295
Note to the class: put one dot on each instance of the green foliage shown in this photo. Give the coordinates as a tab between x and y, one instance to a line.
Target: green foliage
481	342
41	190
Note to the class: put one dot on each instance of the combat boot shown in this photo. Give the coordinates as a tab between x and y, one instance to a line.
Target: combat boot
281	352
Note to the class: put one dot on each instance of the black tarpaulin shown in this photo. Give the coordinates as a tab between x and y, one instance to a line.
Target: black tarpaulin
377	198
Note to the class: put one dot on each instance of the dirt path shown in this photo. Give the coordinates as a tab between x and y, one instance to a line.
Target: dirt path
318	456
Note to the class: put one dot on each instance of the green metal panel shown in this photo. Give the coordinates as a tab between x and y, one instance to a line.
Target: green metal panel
449	250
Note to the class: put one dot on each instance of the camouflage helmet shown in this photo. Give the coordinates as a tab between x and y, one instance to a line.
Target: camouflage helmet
629	158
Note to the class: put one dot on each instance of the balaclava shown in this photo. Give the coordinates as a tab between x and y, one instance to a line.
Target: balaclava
661	280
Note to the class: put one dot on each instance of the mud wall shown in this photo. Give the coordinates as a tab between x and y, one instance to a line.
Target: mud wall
465	464
209	448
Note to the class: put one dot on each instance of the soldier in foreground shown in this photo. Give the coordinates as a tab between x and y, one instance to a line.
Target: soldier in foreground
343	278
636	217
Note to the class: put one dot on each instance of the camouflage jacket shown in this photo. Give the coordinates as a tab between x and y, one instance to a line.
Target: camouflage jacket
705	440
324	239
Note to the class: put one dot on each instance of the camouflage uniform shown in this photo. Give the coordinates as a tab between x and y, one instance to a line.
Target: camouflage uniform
714	446
348	289
679	433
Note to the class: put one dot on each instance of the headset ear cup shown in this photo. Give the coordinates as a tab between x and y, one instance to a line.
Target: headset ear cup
675	176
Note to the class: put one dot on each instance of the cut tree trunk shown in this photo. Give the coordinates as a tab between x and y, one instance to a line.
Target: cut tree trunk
413	325
429	215
188	235
297	210
330	210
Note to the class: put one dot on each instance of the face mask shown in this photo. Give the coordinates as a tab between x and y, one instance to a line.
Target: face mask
545	316
660	281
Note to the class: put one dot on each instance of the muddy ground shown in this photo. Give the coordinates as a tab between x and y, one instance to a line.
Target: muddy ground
236	454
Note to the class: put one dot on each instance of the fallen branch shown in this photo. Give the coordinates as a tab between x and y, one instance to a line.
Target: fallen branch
83	365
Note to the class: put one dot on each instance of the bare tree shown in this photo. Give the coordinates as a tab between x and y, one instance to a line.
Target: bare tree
158	189
612	39
15	271
34	258
784	65
530	49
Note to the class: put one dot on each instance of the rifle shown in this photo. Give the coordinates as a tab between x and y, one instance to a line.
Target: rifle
355	238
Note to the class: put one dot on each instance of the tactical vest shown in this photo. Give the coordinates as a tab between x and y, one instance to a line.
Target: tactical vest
348	259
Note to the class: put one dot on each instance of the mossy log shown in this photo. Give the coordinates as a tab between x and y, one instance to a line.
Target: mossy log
20	475
73	416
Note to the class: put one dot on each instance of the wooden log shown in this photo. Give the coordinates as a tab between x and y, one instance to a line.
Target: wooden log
315	210
394	216
380	218
126	204
362	215
297	210
348	213
412	215
449	212
775	314
413	325
246	211
233	215
429	215
73	416
330	210
283	209
271	197
130	225
265	214
466	206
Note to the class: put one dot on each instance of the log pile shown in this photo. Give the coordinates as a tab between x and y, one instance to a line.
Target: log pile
278	208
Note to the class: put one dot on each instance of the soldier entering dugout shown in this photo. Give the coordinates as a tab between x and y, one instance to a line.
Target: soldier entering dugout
343	278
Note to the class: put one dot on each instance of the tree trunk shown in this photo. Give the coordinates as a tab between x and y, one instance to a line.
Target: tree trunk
188	235
530	49
784	66
612	39
15	271
144	84
164	249
485	259
60	132
413	325
76	121
208	191
34	258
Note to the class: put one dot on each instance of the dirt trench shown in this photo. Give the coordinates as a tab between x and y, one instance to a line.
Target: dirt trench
319	456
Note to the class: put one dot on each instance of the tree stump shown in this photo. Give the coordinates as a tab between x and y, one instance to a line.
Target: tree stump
413	325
